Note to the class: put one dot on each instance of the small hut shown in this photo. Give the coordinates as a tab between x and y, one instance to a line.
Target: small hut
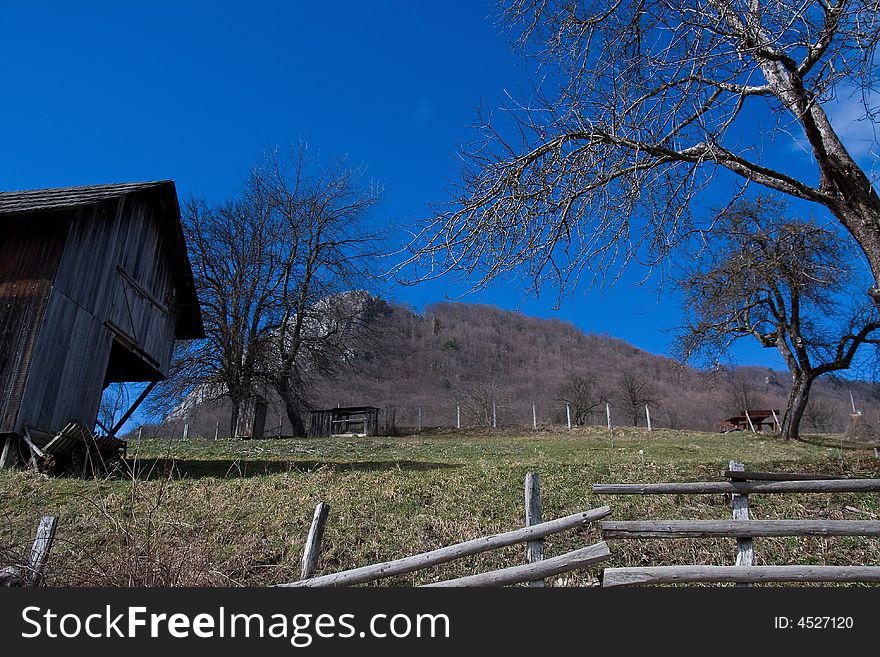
95	287
348	420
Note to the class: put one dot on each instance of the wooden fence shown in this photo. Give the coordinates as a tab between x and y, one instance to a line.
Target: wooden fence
534	571
742	483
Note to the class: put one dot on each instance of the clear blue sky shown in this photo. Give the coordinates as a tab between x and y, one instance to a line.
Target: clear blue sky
100	92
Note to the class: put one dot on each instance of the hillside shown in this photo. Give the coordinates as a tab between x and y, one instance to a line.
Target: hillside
466	355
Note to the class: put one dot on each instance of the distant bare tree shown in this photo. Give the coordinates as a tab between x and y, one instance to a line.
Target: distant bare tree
638	107
583	395
779	281
477	401
634	391
739	394
820	414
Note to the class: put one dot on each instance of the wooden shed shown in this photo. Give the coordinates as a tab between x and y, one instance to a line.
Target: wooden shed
358	420
95	287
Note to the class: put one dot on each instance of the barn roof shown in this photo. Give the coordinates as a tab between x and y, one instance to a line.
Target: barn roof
64	198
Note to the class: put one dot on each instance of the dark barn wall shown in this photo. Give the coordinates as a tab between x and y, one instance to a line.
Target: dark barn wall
29	256
113	283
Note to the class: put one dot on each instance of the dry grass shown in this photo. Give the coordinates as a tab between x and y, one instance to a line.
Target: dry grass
237	513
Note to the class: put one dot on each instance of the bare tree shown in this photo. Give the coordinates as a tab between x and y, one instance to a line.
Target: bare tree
327	250
275	269
639	106
480	402
232	248
739	394
820	413
583	395
635	391
778	281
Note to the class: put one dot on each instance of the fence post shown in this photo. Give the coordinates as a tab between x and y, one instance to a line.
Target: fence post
494	416
217	430
312	551
420	418
568	416
458	416
534	416
40	551
534	549
751	425
648	416
745	550
186	431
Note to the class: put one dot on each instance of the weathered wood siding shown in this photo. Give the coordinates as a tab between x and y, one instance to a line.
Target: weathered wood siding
115	267
66	375
29	256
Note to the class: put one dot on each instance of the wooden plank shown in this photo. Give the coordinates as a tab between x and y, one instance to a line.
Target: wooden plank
6	454
40	550
625	529
747	475
529	572
452	552
745	547
751	574
743	487
534	549
313	543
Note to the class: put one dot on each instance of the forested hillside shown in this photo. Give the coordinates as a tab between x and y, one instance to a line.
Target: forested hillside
465	356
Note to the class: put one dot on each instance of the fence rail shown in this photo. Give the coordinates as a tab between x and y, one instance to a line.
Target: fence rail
425	560
739	574
743	487
633	529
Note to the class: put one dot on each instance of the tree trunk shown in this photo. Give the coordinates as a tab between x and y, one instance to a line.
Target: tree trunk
291	406
233	418
797	403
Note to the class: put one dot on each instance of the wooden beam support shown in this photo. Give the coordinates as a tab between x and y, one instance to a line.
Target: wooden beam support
452	552
137	402
539	570
750	574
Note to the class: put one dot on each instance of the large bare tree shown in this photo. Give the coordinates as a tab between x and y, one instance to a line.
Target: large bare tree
639	105
328	250
280	271
779	281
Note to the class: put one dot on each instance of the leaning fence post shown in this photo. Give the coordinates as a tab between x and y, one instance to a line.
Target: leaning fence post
312	551
40	551
534	549
745	549
648	416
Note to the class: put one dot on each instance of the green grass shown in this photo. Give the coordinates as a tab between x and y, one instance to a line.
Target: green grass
237	512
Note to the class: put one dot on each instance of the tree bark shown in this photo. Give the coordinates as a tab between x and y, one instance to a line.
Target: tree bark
797	403
233	418
291	406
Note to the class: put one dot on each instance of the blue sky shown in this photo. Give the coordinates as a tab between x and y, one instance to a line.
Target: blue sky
119	91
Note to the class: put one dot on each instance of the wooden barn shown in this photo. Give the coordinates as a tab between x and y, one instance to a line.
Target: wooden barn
95	287
357	420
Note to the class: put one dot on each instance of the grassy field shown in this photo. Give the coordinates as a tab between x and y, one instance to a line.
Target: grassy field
237	513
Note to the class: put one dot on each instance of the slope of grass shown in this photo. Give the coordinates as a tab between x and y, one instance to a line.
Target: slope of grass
237	513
